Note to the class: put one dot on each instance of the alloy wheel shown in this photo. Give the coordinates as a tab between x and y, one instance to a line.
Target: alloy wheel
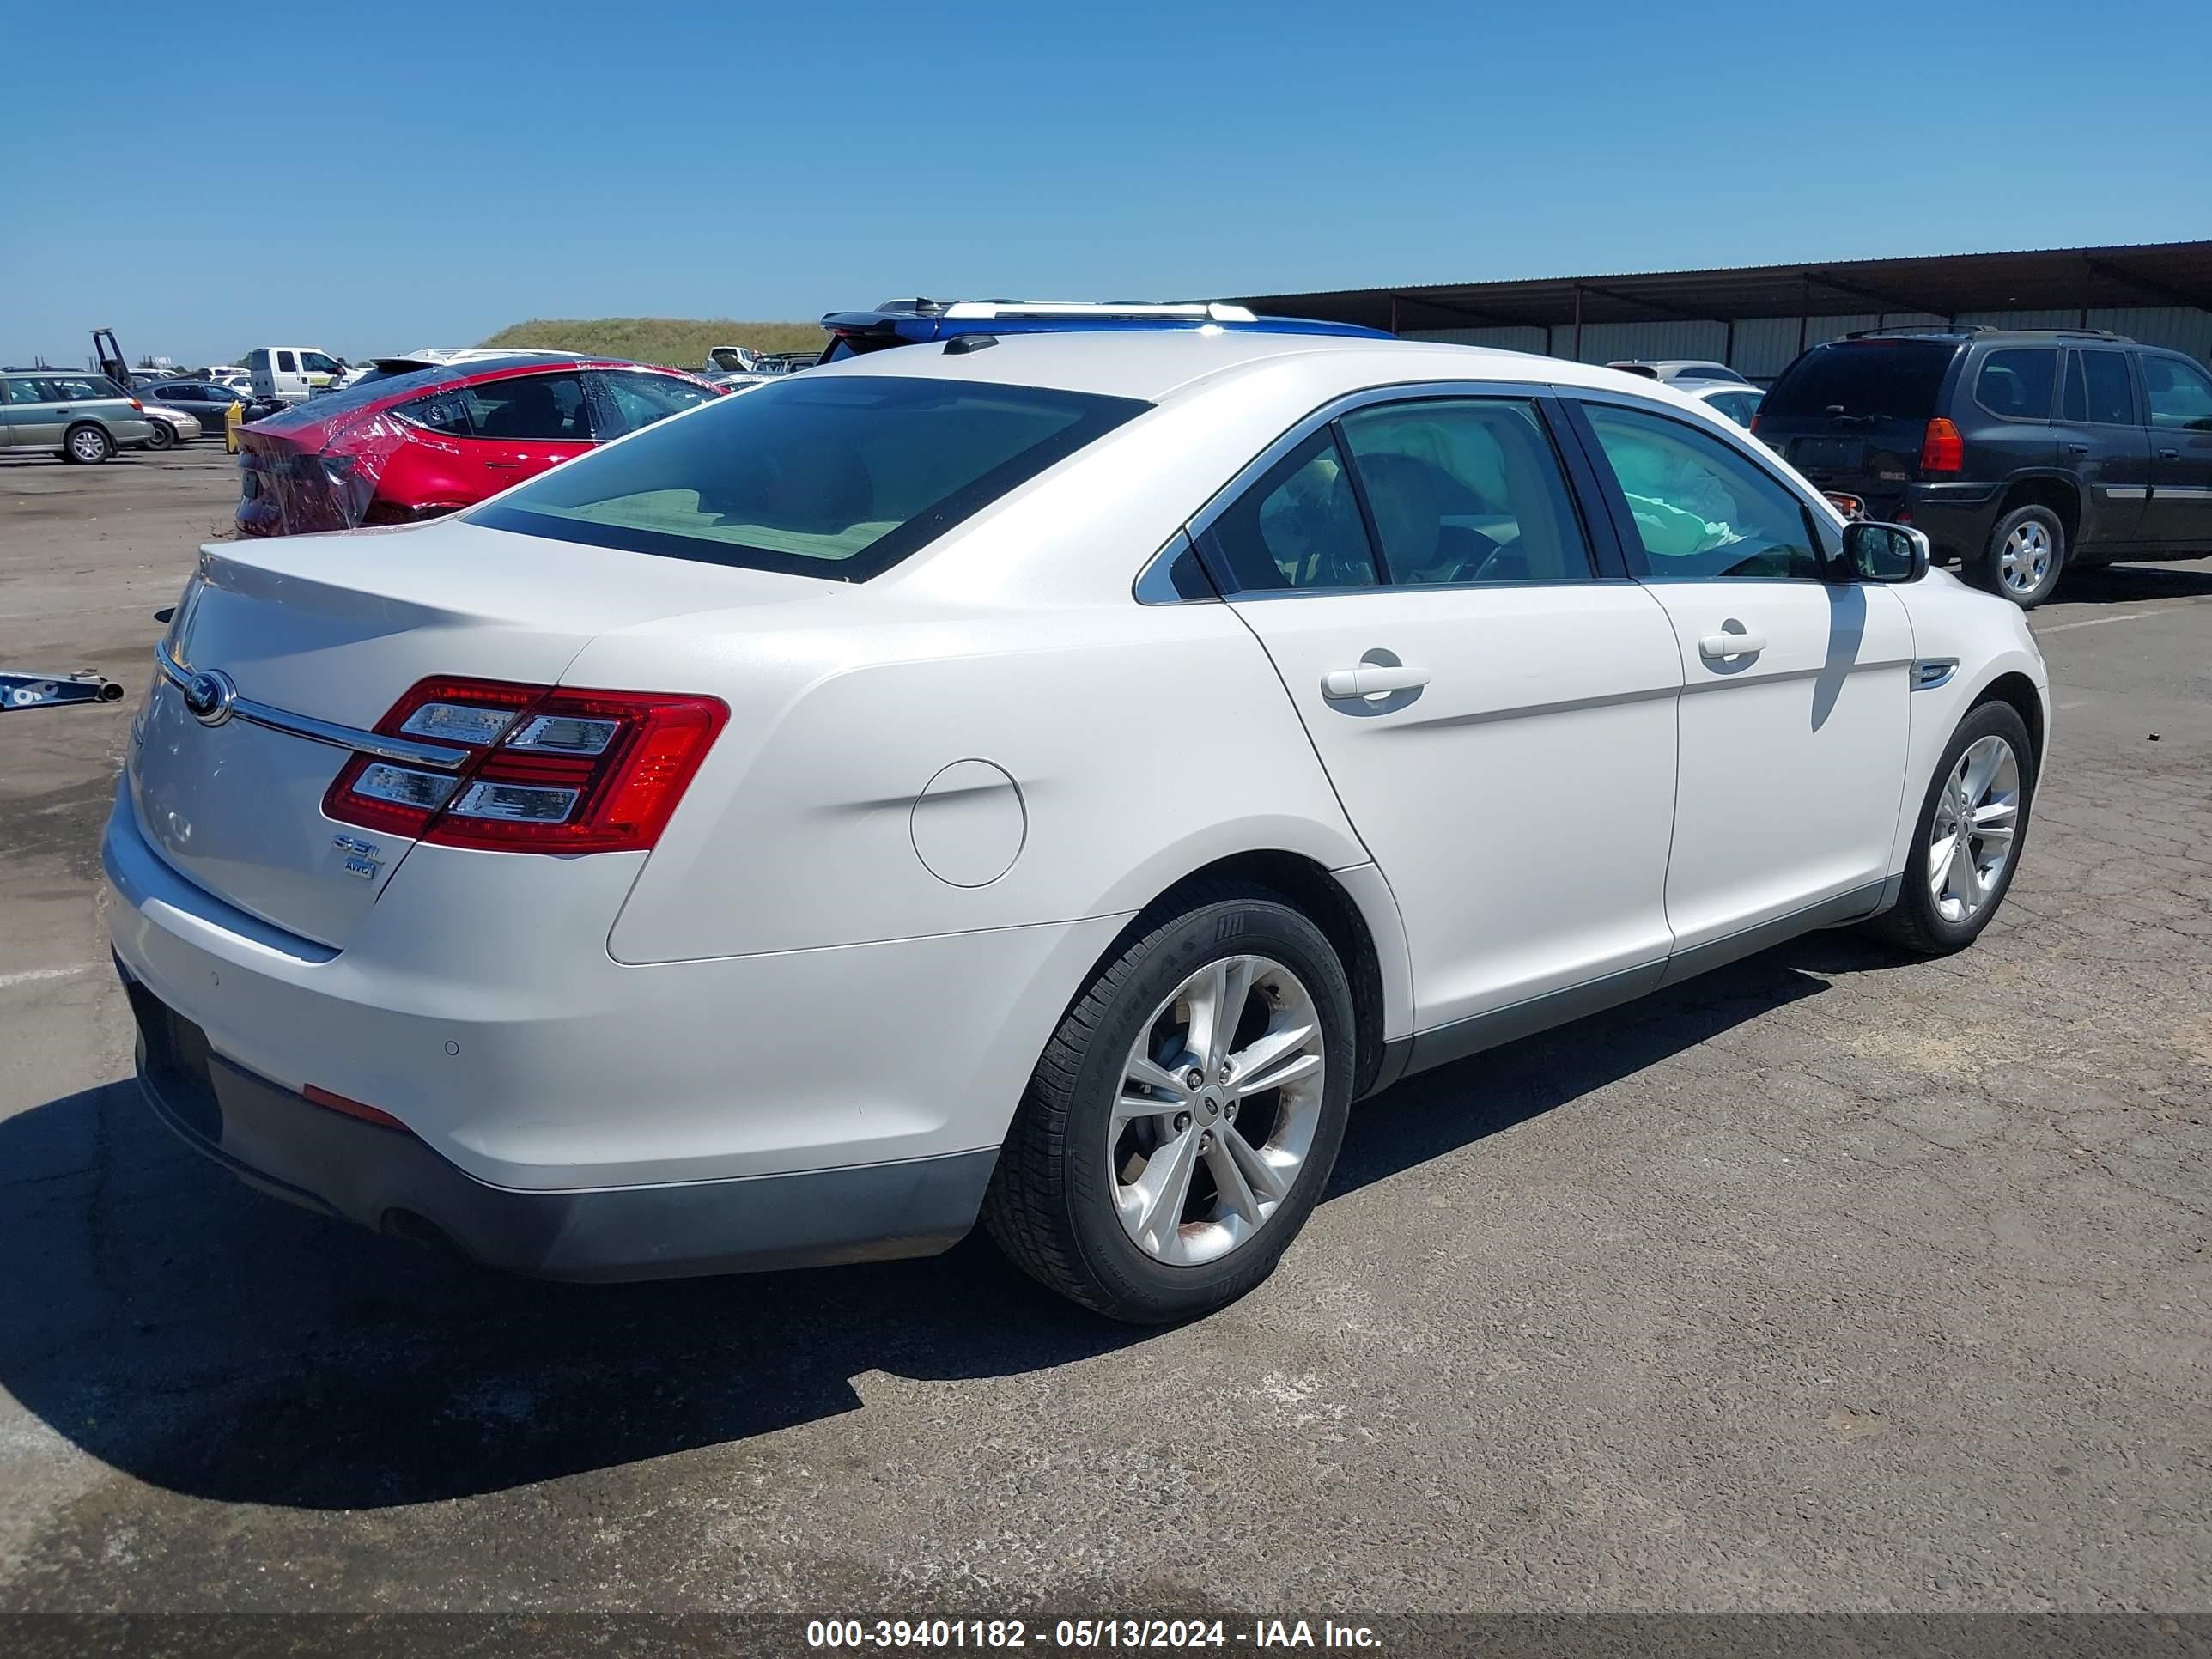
1977	820
2024	559
1216	1112
88	445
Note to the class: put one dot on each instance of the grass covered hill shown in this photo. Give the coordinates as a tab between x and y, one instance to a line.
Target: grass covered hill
679	341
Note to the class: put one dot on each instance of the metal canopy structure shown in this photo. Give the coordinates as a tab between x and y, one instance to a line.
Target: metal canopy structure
2082	279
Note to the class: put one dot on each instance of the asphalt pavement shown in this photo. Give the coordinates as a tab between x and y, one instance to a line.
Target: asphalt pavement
1830	1281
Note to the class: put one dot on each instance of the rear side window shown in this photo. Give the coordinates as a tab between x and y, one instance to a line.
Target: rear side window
80	389
285	363
2180	393
446	411
2096	389
1299	526
2017	383
1702	510
532	408
838	477
1466	490
1896	379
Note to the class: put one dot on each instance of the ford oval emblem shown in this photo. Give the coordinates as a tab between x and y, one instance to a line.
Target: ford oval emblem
210	696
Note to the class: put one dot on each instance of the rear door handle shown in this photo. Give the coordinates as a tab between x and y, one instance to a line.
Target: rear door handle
2169	454
1371	680
1715	647
2079	449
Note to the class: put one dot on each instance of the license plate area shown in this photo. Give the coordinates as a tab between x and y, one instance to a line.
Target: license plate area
1828	455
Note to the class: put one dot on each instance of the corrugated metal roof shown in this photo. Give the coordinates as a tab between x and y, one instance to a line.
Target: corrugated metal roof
1943	285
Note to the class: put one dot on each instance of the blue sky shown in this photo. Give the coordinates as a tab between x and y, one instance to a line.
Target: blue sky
406	174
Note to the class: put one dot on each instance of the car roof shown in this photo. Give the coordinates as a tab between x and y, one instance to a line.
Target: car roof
1154	364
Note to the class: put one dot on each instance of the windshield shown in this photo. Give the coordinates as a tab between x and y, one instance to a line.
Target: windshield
839	477
1895	379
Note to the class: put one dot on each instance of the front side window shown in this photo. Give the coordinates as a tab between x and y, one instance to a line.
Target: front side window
316	363
2180	393
1466	490
839	477
638	400
1702	510
1299	526
2017	384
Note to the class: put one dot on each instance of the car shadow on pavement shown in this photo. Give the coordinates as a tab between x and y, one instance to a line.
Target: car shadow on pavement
2132	583
213	1342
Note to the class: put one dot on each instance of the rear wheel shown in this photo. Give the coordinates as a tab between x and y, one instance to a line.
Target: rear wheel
2026	553
1184	1119
87	446
1966	840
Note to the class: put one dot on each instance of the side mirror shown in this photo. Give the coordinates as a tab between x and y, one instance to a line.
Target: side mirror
1885	552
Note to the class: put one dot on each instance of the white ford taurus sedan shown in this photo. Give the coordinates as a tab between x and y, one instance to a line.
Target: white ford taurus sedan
1047	779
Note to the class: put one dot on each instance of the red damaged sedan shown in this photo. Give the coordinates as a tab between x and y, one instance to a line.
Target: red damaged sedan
412	442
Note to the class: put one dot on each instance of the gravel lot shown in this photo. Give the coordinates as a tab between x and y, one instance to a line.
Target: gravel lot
1829	1281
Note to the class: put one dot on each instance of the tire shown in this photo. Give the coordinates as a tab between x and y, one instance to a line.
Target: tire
165	436
1921	921
1076	1160
87	446
2025	557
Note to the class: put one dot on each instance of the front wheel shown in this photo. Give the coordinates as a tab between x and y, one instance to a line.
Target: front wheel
87	446
165	435
1184	1119
2026	553
1966	840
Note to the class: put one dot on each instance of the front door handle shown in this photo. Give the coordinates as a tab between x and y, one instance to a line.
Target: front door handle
2079	449
1715	647
1371	680
504	466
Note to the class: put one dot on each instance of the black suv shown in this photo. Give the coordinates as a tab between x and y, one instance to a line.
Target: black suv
2019	452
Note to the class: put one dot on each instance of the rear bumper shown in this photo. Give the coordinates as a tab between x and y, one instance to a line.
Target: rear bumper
476	1003
388	1181
1956	518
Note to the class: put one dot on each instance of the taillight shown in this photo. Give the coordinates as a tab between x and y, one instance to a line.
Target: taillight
136	404
548	768
1942	450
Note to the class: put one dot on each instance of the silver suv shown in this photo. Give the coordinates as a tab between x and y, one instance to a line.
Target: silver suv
81	417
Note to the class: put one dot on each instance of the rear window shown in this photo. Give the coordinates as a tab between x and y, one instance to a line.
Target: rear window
1867	378
360	395
839	477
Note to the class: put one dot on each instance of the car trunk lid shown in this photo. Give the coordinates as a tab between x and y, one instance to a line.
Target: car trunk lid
316	638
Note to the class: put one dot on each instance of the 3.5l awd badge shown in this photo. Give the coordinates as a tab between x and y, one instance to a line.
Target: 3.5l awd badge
360	855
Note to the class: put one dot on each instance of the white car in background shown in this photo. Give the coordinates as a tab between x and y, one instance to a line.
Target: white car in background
1737	399
1049	781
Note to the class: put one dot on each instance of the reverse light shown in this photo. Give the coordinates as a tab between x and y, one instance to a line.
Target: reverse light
548	768
1942	450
